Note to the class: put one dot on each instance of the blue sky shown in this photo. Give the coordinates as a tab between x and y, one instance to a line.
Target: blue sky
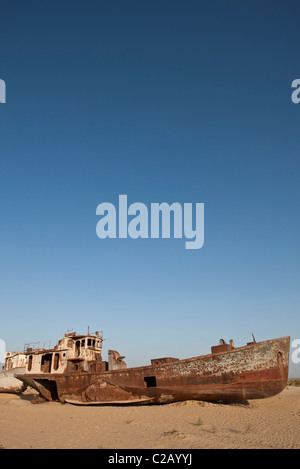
166	102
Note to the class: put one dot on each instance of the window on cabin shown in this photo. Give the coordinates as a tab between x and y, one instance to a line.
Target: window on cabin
77	348
56	361
46	363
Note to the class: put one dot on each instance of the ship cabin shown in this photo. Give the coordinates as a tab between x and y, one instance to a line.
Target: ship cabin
72	353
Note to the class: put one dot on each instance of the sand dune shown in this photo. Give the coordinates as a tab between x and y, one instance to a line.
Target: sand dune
266	423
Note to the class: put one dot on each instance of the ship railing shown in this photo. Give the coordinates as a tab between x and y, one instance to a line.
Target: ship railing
31	346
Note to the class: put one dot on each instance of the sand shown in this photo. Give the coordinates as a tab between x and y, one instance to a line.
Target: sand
266	423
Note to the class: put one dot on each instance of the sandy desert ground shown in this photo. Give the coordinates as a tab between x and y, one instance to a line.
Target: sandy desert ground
266	423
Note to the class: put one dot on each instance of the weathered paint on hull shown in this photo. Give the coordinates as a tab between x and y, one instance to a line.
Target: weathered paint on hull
256	371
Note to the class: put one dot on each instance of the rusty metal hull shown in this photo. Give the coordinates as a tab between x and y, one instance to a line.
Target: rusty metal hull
255	371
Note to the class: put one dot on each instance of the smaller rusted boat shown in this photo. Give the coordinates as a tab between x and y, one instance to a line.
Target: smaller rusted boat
14	364
74	372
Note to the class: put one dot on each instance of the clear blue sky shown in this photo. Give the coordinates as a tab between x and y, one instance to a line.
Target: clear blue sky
163	101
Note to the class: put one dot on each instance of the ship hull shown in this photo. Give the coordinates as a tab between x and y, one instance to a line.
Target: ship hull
255	371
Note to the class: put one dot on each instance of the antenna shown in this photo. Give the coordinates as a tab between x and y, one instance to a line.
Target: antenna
253	337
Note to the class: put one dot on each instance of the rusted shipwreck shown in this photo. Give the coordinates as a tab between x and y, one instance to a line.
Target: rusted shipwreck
74	372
